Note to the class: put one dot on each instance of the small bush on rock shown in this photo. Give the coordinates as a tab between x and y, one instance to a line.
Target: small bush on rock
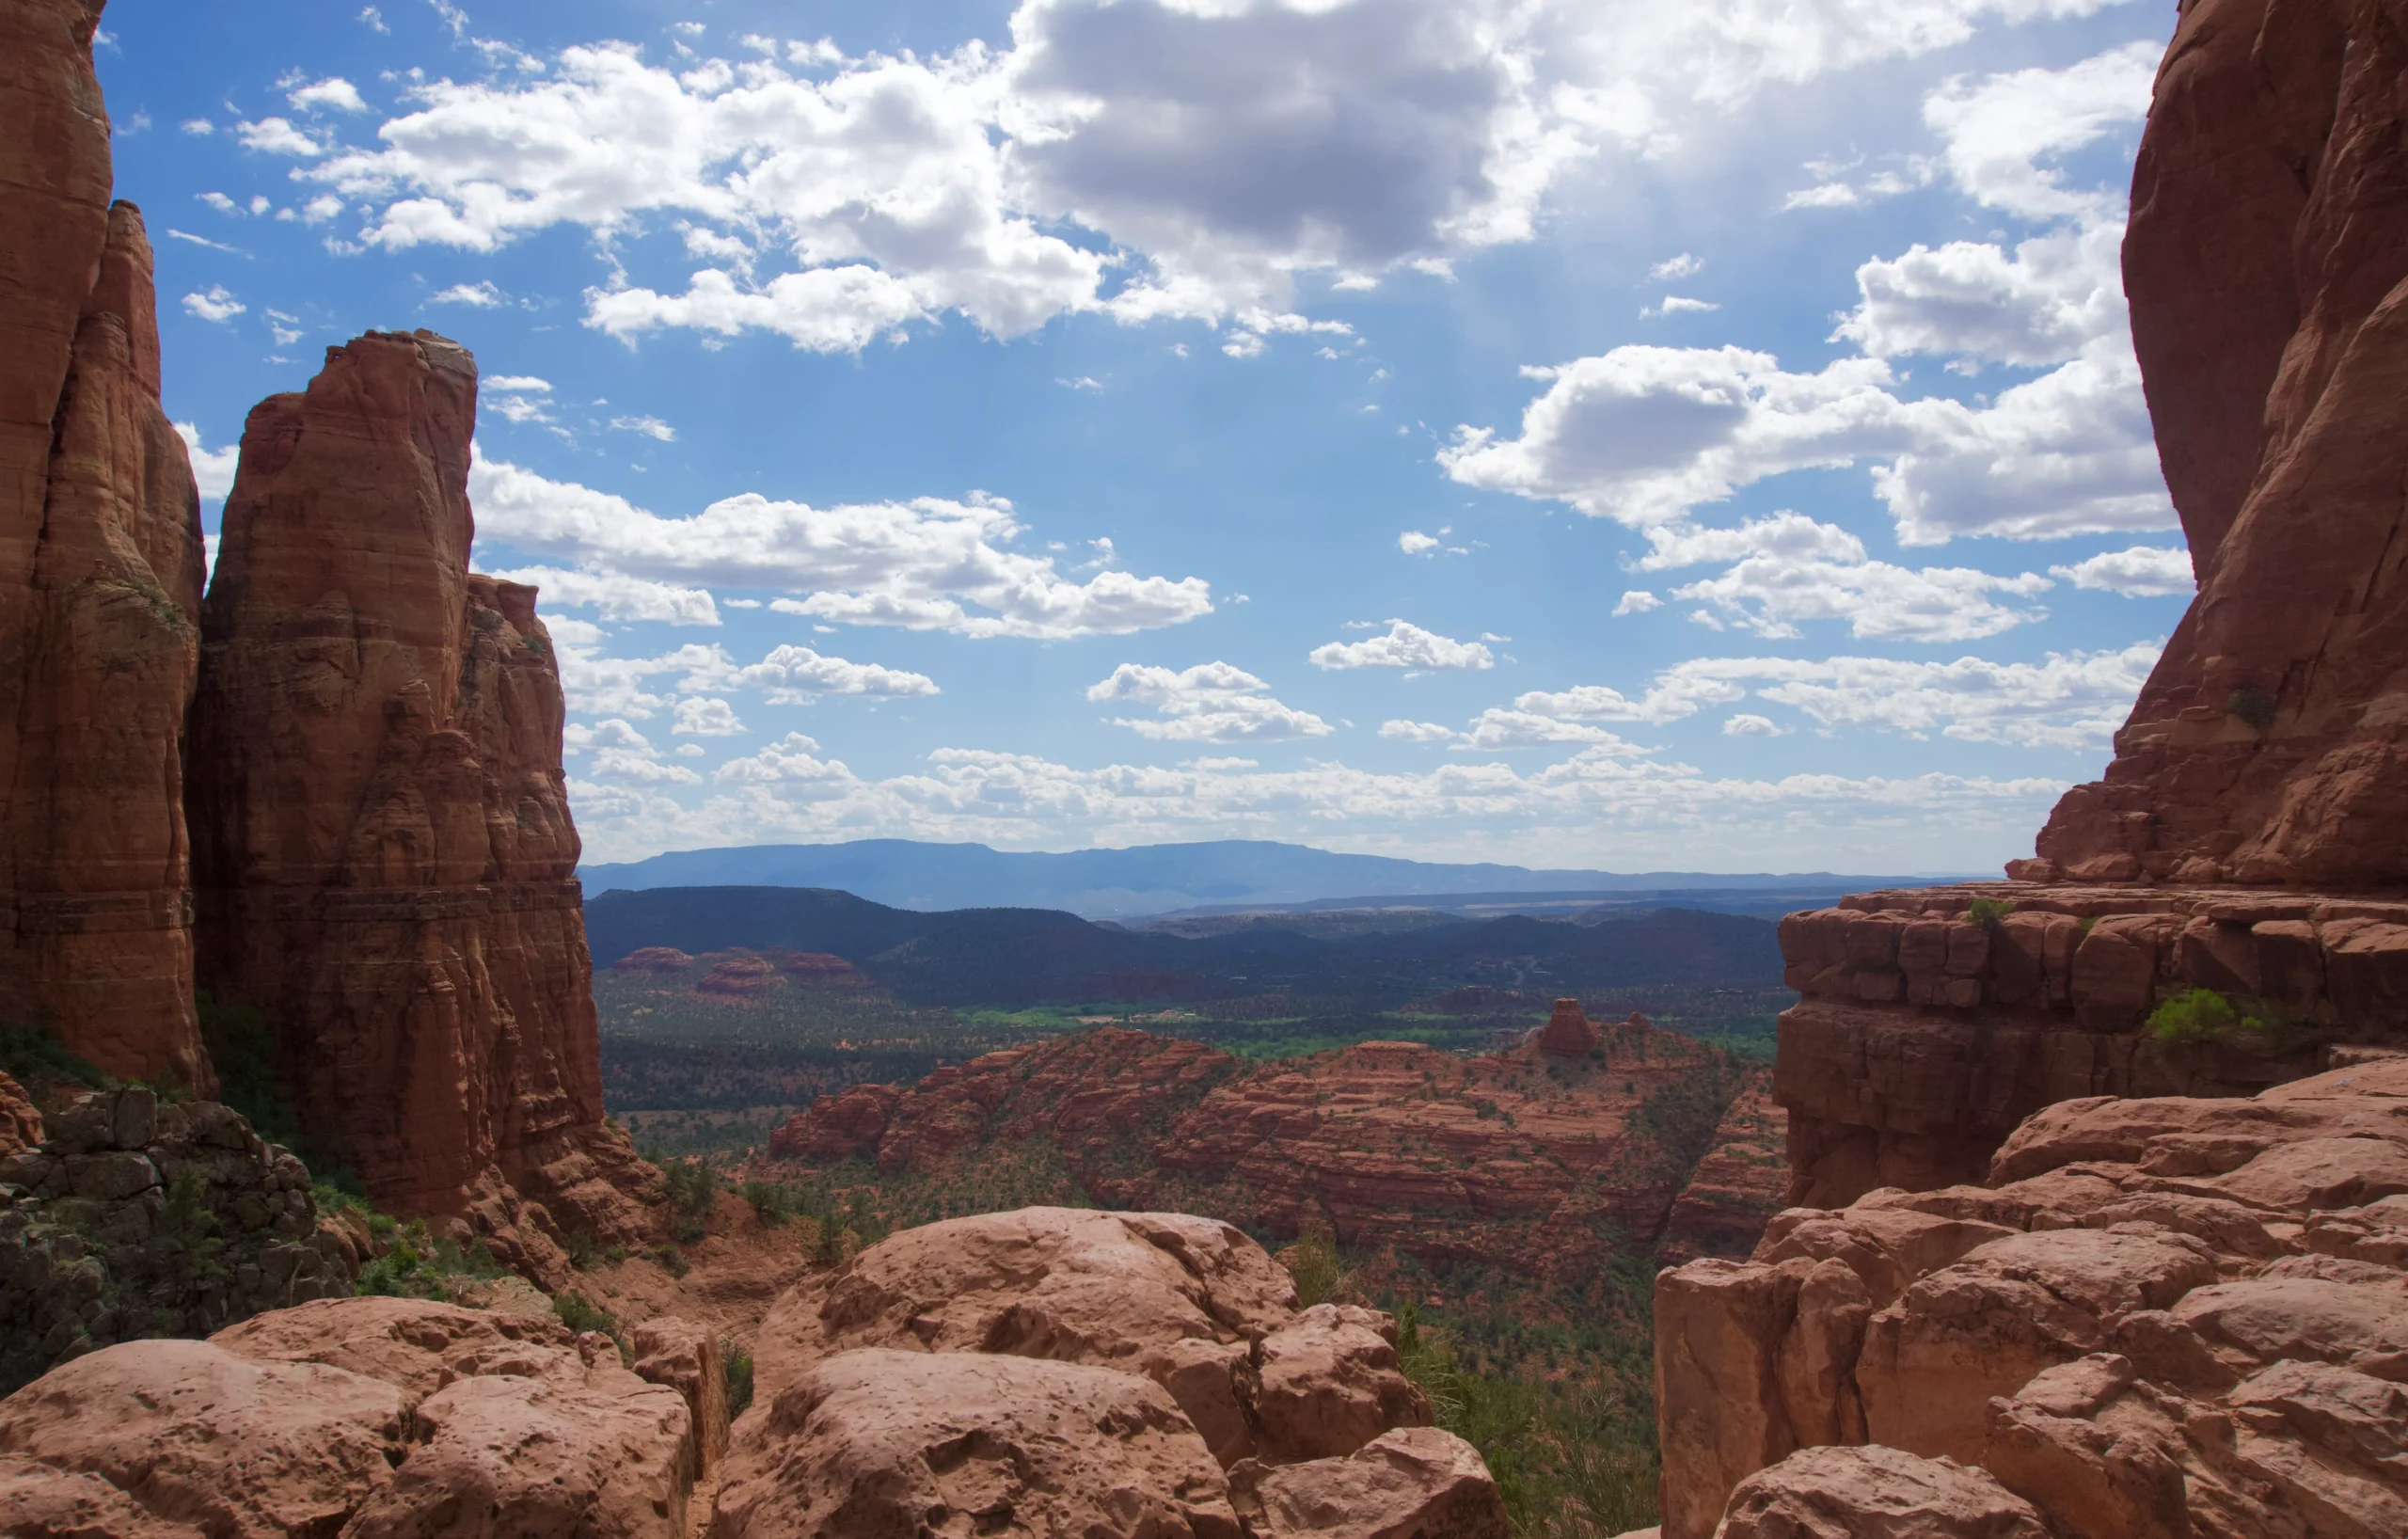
737	1364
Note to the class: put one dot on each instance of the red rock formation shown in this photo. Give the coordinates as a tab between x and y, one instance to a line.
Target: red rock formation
1568	1033
100	583
1924	1035
1516	1158
2153	1317
652	959
372	1417
20	1119
2267	266
383	851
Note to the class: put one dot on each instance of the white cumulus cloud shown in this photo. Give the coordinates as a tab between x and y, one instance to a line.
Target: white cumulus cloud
1210	702
797	675
1405	645
932	563
2142	572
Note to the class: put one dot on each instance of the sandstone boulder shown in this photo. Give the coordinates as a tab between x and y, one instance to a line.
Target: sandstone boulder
1414	1482
44	1502
1875	1493
20	1119
538	1458
875	1442
1329	1383
1177	1298
685	1356
197	1434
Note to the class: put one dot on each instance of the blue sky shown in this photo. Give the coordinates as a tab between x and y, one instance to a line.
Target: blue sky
1575	434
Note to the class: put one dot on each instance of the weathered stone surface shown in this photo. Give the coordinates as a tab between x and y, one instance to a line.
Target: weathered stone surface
685	1356
2264	264
1414	1482
383	851
1518	1158
197	1434
41	1502
1875	1493
2160	1317
876	1441
504	1455
99	585
370	1417
1329	1384
415	1344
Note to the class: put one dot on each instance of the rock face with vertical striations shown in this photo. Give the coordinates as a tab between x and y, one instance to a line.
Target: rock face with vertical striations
383	852
99	585
2267	265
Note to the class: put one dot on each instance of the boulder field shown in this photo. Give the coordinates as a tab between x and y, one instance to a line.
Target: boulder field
1049	1371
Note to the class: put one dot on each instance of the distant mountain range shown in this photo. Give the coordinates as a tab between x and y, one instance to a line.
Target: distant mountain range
1221	875
1018	956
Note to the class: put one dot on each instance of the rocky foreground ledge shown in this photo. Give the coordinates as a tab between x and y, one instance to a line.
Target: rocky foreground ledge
1050	1371
2153	1318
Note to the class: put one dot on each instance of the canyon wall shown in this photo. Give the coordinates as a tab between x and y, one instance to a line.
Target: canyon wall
383	854
99	585
2267	267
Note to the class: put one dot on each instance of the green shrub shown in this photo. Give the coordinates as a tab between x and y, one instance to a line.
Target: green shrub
2201	1015
36	1060
693	1186
739	1366
582	1249
672	1261
1987	911
772	1202
1314	1263
2252	705
581	1314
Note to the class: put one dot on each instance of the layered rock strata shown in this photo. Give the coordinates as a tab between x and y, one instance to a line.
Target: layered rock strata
383	853
99	585
1520	1158
2154	1318
369	1417
1106	1372
136	1218
2267	267
1930	1029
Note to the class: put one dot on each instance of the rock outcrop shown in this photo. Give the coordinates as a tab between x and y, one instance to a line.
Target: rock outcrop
1520	1158
1736	1190
2267	268
2155	1317
99	585
1076	1355
136	1218
383	852
368	1417
1934	1020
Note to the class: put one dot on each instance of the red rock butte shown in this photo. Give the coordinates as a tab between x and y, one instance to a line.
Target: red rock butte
1568	1033
383	854
99	585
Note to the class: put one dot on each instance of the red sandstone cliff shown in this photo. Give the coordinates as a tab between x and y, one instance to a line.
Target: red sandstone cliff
383	851
100	584
2267	265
